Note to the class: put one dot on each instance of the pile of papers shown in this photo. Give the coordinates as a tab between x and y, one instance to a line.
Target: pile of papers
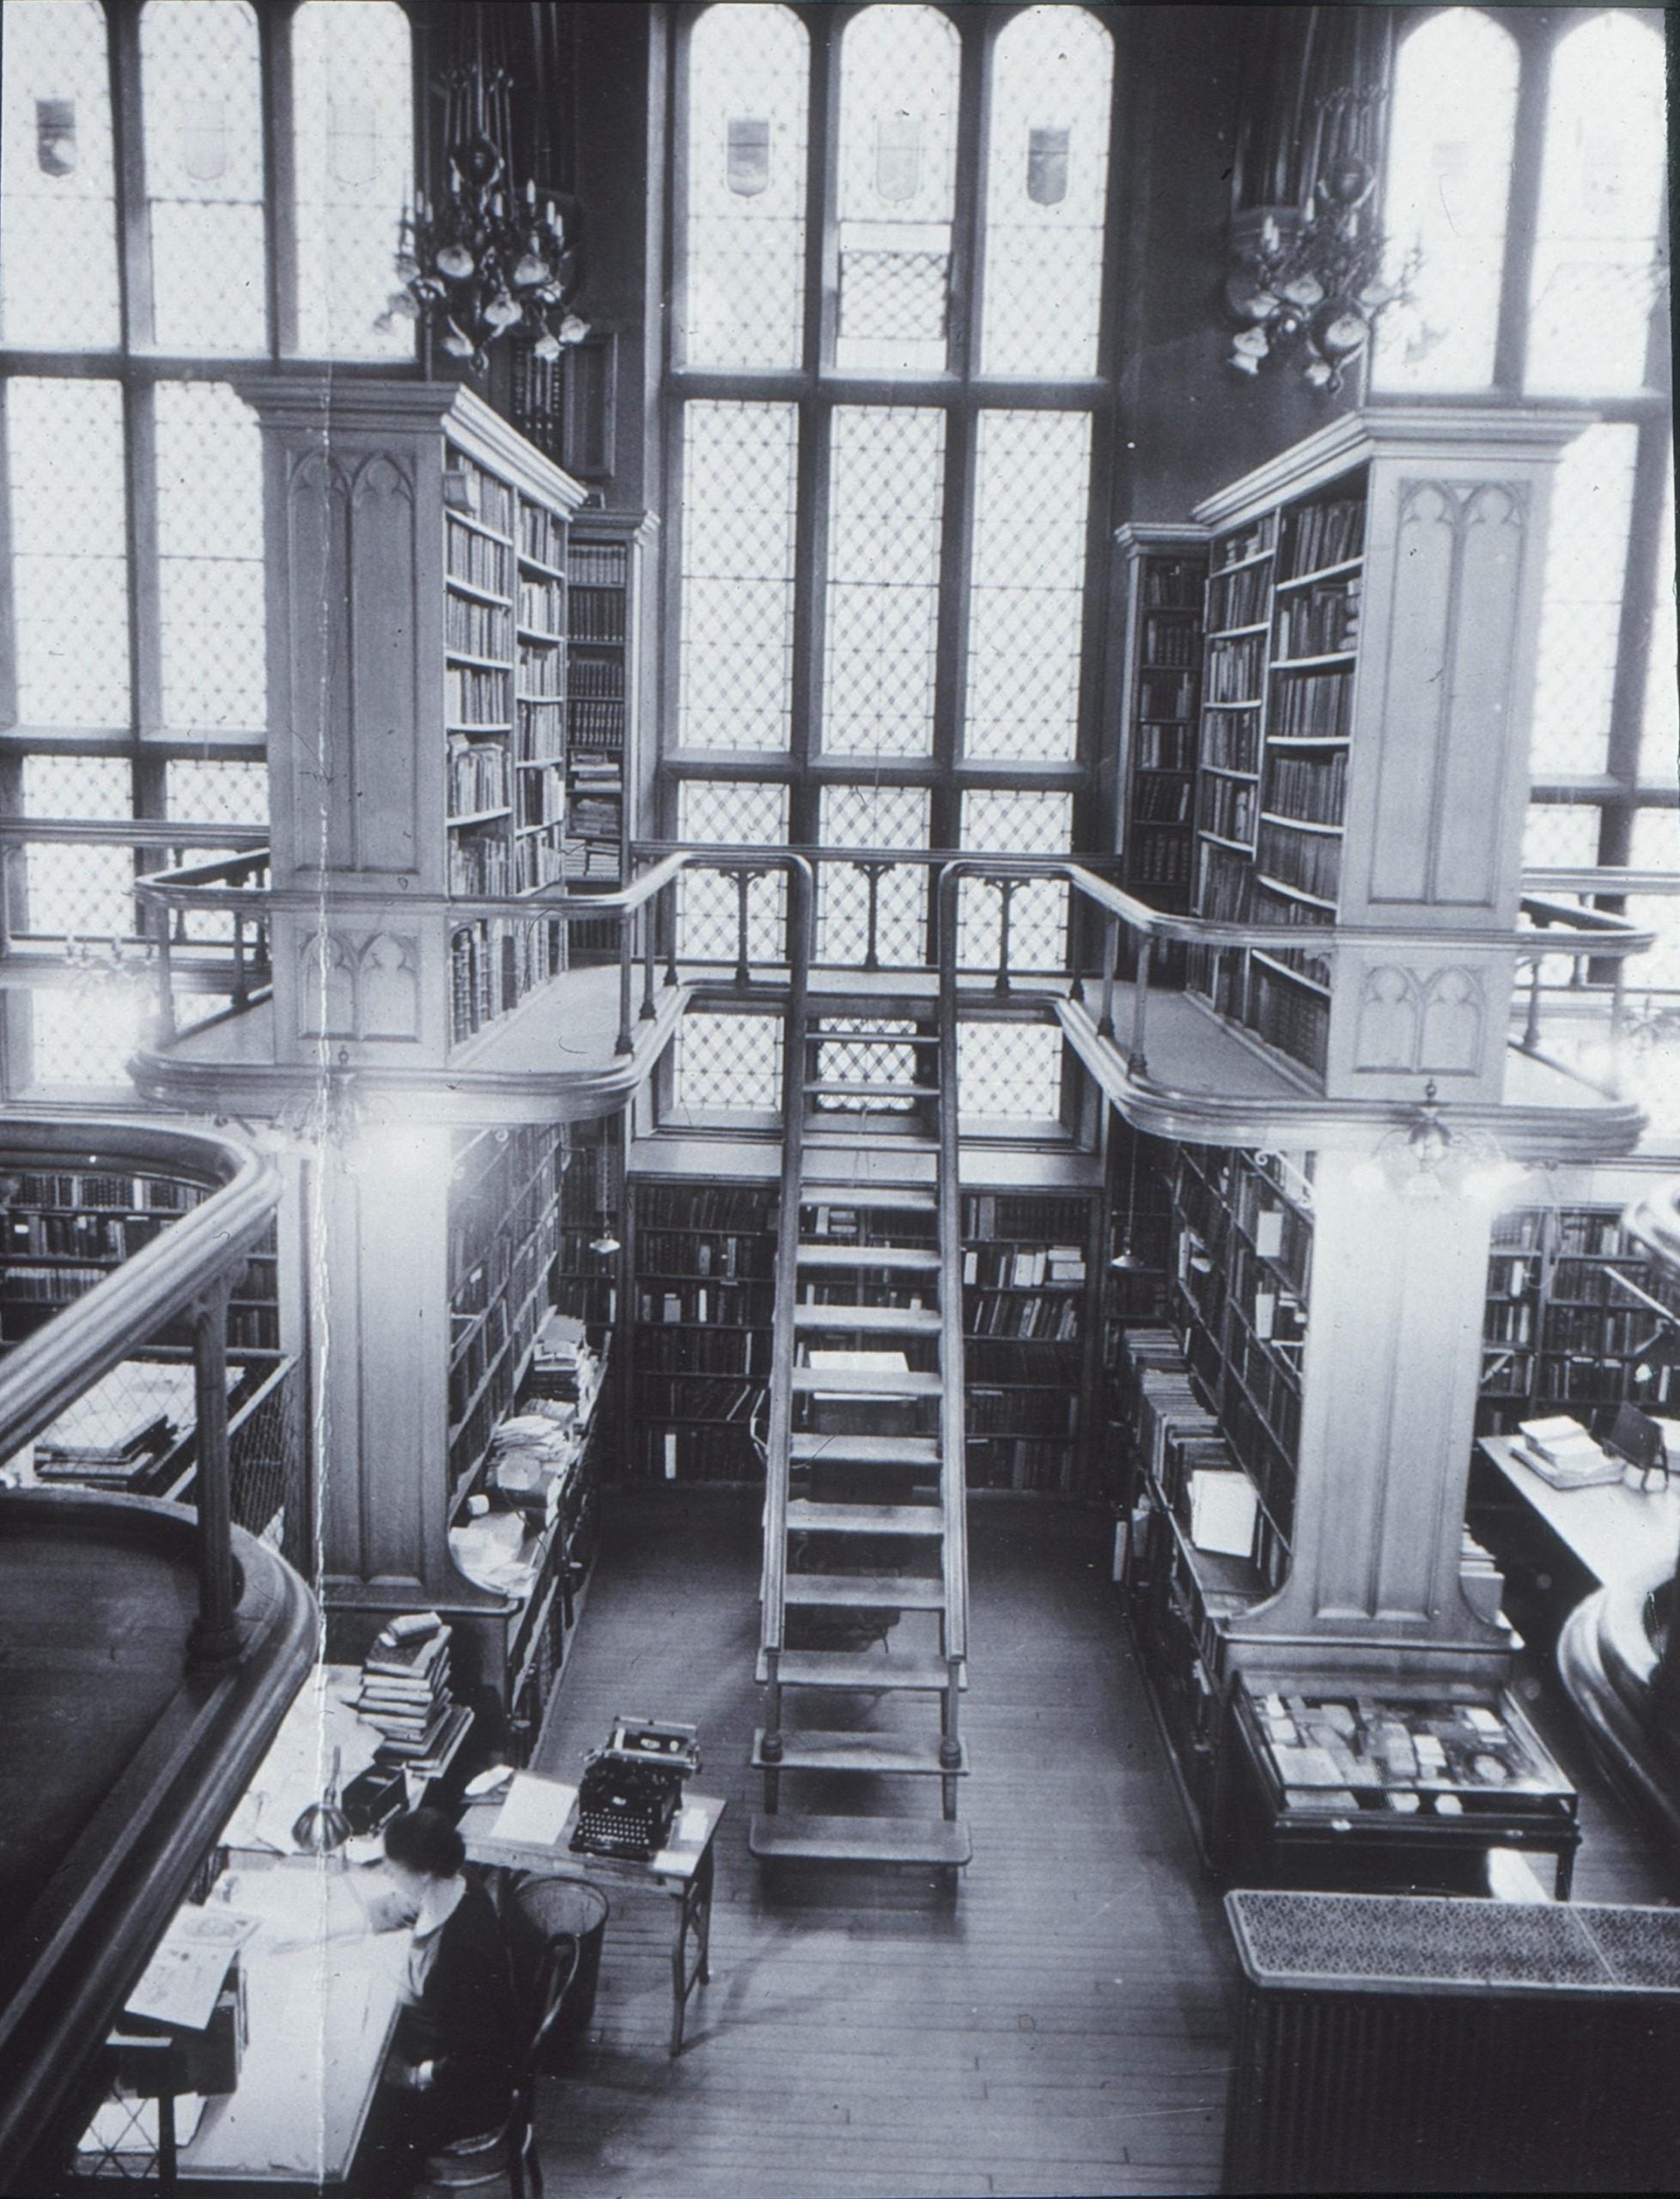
405	1690
563	1368
1560	1452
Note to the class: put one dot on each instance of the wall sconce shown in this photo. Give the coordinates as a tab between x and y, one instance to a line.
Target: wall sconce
1428	1158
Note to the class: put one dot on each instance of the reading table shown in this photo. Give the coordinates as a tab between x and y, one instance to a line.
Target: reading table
1612	1530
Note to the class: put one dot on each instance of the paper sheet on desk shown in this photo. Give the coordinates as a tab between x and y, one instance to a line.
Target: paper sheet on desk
535	1812
180	1983
687	1833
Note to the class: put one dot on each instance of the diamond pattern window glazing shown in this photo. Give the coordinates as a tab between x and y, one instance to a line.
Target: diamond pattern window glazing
1656	846
897	169
873	817
729	813
69	560
1594	278
1026	607
84	892
210	531
353	108
222	794
1006	822
1586	558
739	496
730	1063
1659	732
1008	1070
744	264
81	1037
201	101
1046	196
843	1061
1454	120
887	493
57	187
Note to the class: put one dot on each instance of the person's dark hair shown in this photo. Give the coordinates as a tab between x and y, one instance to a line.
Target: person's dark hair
424	1840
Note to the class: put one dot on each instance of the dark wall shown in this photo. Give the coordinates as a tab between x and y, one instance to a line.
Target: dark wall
1187	422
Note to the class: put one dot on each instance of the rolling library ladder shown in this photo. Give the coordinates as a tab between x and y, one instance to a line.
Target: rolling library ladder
864	1596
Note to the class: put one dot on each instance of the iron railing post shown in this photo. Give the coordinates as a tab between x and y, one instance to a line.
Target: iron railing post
214	1636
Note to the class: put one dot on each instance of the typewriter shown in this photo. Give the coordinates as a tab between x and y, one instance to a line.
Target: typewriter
631	1788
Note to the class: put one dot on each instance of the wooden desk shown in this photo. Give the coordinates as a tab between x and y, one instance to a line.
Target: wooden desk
1614	1531
322	1997
684	1870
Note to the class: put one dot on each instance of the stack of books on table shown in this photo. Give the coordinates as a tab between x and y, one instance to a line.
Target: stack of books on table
563	1368
404	1693
1561	1450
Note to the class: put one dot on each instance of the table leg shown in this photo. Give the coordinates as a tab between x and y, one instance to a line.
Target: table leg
694	1918
1565	1872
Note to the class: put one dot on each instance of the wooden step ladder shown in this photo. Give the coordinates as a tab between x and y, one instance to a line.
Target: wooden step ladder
863	1639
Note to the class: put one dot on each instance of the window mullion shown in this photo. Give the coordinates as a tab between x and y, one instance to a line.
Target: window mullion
1633	648
810	586
134	261
1522	206
145	615
973	110
822	192
274	49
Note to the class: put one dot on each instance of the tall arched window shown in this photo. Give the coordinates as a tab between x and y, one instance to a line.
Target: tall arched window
1047	195
57	187
1454	118
741	296
353	158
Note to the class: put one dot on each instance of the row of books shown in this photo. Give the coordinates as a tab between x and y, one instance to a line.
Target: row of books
1316	535
1166	748
1161	799
541	792
1159	856
1059	1222
478	864
468	488
1037	1319
474	558
1022	1267
538	860
1170	695
1231	740
598	676
593	724
1312	788
1238	599
598	614
1311	706
542	673
542	604
1020	1462
475	695
663	1350
480	629
1318	621
731	1305
72	1187
540	731
600	564
477	776
1169	642
80	1236
707	1209
542	535
1244	542
1226	807
1236	669
1297	1023
1041	1412
1311	860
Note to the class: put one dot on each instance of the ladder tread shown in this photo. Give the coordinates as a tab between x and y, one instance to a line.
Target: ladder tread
860	1671
816	1036
851	1087
909	1259
866	1590
815	1749
877	1320
864	1519
866	1382
806	1450
941	1841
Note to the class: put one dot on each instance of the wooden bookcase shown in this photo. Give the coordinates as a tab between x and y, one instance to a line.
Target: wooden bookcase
1561	1336
1029	1264
607	652
1166	570
1241	1287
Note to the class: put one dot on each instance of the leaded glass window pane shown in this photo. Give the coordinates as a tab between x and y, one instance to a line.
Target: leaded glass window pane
747	97
1594	274
897	173
1011	1070
885	508
1561	836
1453	124
740	490
873	817
728	1062
1659	739
1586	558
353	126
862	1060
1046	198
1656	846
221	794
84	1038
57	191
69	560
1010	821
210	539
203	148
723	813
1026	605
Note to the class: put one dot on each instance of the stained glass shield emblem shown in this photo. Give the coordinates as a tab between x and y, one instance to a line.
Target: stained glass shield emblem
1047	166
203	139
353	137
897	157
748	154
55	137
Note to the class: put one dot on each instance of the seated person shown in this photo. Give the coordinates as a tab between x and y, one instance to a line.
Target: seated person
451	2069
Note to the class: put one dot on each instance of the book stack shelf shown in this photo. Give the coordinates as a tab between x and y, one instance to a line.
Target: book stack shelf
1240	1295
703	1292
1283	628
1168	575
609	674
1561	1334
1029	1262
505	636
67	1229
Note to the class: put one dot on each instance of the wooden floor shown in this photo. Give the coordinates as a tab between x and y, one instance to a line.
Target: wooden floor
1062	2026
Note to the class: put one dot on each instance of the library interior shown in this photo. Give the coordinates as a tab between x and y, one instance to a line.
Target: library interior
865	1292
